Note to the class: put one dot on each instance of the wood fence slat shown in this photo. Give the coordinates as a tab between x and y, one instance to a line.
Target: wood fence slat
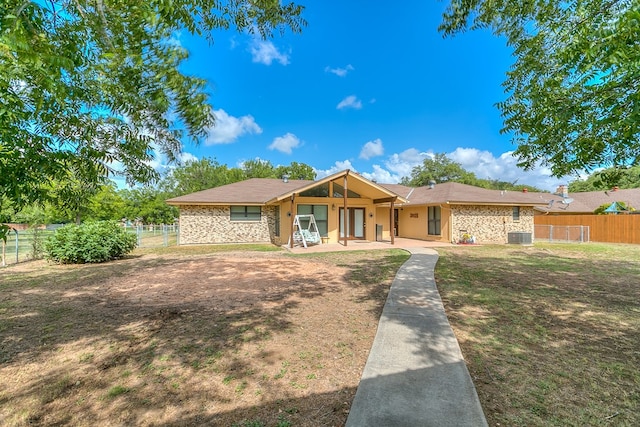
603	228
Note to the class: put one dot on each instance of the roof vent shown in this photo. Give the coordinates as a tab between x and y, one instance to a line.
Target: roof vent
285	178
432	184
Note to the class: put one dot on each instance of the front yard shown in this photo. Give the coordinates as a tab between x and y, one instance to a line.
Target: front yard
179	336
188	336
551	333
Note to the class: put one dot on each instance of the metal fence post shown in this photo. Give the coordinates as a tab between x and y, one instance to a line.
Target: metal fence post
165	235
17	247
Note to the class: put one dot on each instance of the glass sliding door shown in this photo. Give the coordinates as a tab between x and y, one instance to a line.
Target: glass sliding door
355	223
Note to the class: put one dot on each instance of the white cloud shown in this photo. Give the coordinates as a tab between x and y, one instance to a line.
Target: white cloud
338	166
187	157
382	175
350	101
285	143
401	164
482	163
505	168
228	128
372	149
265	52
340	72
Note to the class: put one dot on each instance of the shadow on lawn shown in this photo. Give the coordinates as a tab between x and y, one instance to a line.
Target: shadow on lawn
550	339
118	336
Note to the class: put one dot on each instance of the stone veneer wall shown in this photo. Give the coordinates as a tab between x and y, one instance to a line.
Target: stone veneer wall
212	224
490	224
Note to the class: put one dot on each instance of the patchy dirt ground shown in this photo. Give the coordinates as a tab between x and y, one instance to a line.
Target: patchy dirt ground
232	339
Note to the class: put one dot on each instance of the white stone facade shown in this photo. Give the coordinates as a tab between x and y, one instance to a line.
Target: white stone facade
212	224
490	224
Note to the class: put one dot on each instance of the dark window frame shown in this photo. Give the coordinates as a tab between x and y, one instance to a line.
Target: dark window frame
516	213
245	213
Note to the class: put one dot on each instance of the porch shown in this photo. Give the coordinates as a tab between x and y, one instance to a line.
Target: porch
365	245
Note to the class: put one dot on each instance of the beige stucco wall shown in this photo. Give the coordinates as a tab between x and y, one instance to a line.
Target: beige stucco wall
212	224
490	224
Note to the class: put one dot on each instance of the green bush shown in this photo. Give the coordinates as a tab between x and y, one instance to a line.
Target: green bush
91	242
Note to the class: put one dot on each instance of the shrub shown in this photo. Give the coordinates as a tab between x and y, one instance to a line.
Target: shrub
91	242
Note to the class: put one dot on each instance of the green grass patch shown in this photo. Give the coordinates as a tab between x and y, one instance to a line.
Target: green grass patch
550	333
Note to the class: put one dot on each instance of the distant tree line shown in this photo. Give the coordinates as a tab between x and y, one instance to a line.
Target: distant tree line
440	169
72	202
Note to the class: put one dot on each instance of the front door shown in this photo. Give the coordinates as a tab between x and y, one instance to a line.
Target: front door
355	224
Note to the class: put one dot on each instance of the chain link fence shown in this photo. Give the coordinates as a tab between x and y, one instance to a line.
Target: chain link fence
562	233
26	245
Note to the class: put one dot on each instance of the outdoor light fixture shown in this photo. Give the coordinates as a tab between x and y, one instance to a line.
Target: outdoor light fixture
370	214
333	206
288	213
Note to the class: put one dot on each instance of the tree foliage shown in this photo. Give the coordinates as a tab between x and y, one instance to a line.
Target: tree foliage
440	168
624	178
86	85
573	101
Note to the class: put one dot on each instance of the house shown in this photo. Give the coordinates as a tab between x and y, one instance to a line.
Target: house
585	203
347	207
570	217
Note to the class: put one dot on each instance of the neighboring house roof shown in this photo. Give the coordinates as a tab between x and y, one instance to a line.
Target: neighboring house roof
462	194
254	191
587	202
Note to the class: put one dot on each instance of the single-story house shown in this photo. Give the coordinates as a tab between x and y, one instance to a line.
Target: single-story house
585	203
346	206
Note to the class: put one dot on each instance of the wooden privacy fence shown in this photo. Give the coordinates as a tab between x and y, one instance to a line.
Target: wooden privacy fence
623	228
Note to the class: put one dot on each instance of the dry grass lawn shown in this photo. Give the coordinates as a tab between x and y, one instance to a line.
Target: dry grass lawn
183	337
550	333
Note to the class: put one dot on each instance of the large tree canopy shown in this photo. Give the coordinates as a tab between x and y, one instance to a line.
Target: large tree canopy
440	168
94	87
573	91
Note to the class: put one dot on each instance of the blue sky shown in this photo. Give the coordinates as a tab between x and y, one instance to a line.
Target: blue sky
369	86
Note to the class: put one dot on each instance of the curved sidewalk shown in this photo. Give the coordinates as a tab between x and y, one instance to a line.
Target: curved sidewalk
415	374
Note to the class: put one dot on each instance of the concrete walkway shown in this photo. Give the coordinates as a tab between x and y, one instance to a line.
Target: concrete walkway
415	375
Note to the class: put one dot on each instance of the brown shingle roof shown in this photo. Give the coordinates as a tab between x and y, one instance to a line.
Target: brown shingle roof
252	191
587	202
456	193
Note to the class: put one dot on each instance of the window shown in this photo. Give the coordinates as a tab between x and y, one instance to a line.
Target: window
321	190
321	215
245	213
516	213
338	191
434	221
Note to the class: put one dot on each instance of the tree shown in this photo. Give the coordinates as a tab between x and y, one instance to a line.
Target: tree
296	171
87	84
439	169
148	205
624	178
199	175
258	168
573	101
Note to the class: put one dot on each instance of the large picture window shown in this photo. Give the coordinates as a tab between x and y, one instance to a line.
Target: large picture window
321	215
434	221
245	213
